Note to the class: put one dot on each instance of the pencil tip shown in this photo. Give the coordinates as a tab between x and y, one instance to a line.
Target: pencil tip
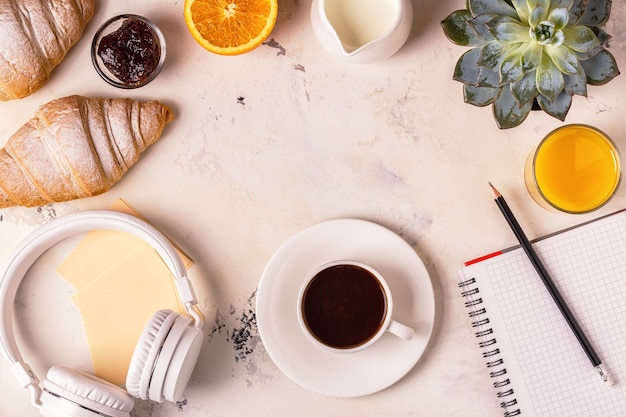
496	193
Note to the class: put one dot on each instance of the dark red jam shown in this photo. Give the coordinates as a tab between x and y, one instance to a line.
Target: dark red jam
132	52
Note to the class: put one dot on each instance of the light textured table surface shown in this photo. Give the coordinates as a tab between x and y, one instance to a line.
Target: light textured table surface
268	143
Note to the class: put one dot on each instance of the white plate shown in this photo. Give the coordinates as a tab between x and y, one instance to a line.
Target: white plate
337	374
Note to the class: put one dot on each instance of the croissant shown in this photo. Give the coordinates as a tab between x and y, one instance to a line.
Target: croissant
35	35
76	147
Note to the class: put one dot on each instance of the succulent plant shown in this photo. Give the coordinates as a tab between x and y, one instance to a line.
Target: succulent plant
530	52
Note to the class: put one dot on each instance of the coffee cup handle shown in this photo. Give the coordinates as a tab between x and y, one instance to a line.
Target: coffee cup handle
401	330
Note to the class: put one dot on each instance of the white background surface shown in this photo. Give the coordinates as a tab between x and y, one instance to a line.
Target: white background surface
268	143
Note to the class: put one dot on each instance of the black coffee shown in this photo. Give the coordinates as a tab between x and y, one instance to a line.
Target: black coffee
344	306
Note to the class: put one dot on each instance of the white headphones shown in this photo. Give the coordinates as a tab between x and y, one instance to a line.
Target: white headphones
165	355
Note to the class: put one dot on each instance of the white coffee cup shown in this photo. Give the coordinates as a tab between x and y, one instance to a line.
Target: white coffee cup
346	306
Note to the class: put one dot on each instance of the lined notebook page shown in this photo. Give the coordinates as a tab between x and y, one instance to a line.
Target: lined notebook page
523	333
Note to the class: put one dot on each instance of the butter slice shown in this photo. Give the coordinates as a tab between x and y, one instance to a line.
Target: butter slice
120	282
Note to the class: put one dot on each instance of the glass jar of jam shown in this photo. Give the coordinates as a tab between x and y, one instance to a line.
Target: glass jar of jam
128	51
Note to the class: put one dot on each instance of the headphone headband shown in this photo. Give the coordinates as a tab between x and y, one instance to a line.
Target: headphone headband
53	232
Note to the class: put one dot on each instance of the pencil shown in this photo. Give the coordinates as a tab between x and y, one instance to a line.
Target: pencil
551	287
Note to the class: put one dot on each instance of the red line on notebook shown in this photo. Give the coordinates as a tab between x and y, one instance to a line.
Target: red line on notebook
482	258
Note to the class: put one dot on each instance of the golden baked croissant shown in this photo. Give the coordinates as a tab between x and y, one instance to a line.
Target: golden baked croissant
76	147
35	35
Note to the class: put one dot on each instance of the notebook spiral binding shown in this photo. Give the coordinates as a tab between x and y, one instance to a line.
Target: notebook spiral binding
488	342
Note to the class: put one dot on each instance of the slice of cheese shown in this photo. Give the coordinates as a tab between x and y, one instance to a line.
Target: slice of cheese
99	250
120	282
115	315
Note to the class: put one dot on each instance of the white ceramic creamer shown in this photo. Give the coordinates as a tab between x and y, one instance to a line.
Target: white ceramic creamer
362	31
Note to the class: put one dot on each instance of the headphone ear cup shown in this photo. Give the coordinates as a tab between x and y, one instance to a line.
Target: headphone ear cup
71	393
146	352
177	361
164	357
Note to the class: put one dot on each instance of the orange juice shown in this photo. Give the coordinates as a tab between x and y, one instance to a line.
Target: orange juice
576	169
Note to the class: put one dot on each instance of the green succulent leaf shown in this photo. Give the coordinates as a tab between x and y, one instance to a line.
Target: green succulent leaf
576	83
507	111
479	96
561	4
521	7
538	3
601	68
525	90
479	24
499	7
580	38
466	70
511	68
603	37
491	54
564	58
531	56
550	80
457	29
538	14
508	30
583	56
559	17
557	108
596	13
488	78
577	10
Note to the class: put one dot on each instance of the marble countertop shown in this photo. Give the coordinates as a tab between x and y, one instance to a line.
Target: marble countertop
268	143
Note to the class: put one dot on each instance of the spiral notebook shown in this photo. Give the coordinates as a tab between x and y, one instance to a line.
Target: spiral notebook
536	365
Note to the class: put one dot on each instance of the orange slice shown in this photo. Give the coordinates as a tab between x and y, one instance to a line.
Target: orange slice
230	27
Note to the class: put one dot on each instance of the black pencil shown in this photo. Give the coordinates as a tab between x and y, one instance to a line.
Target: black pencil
551	287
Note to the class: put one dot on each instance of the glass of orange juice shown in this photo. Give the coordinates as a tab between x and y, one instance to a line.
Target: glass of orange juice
575	169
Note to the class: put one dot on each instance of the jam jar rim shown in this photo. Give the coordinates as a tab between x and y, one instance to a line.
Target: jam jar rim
97	61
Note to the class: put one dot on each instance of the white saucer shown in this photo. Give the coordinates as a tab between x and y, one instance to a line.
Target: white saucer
337	374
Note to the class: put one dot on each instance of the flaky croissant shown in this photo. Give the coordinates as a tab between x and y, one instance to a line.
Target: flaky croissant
35	35
76	147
